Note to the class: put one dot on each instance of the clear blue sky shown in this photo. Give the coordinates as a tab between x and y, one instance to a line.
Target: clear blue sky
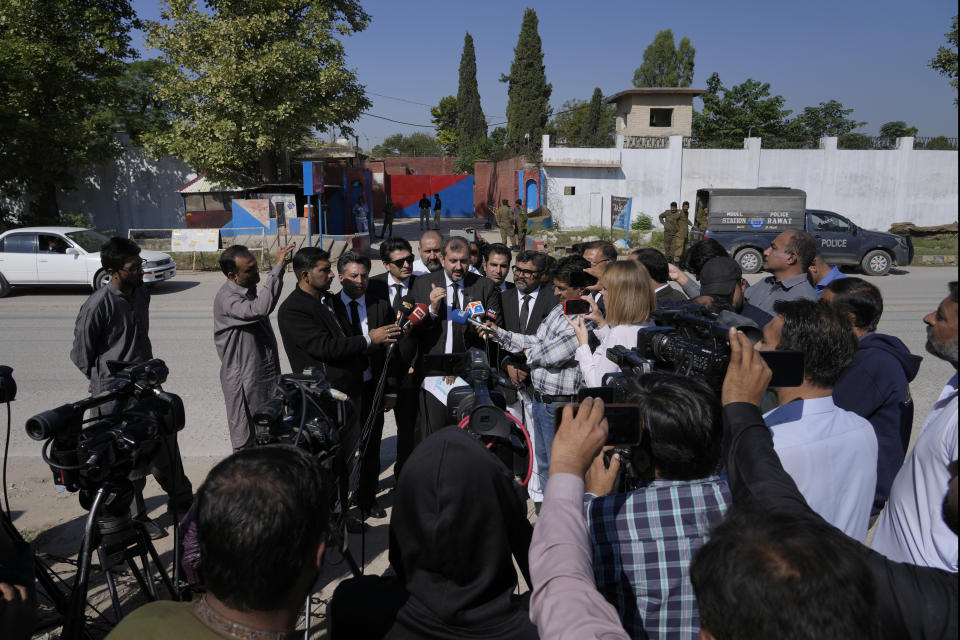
871	56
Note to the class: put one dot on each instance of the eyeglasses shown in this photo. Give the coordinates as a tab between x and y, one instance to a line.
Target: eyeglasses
399	262
526	273
599	262
136	269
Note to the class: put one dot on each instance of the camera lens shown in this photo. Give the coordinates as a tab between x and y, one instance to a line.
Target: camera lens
49	423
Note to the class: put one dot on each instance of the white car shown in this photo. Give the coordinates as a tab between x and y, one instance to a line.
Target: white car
65	255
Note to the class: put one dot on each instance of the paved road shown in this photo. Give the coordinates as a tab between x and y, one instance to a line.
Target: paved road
36	330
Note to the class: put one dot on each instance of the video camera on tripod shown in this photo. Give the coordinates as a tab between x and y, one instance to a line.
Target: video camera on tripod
120	441
691	341
480	408
97	457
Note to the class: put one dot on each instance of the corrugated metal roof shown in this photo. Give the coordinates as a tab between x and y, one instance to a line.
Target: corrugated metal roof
201	184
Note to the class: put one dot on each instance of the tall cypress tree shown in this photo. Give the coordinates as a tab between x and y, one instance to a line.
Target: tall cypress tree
471	125
528	105
592	136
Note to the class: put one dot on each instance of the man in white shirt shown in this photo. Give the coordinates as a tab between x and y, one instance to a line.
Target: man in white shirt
496	265
912	528
830	453
430	260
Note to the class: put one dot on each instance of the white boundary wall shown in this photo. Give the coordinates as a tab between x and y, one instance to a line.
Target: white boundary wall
872	188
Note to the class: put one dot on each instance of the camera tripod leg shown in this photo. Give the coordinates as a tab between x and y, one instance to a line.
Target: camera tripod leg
112	588
73	626
164	577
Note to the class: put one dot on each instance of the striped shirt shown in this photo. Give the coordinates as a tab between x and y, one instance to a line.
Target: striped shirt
550	354
643	543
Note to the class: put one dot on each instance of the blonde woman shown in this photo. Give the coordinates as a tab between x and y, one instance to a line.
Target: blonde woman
629	300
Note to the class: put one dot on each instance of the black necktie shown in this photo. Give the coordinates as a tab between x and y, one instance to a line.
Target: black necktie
397	299
525	313
355	318
455	303
458	344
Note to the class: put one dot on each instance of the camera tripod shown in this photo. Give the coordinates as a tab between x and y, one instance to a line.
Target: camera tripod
117	538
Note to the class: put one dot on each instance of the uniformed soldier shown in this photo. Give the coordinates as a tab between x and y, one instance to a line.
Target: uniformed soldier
520	225
684	228
505	222
702	215
670	219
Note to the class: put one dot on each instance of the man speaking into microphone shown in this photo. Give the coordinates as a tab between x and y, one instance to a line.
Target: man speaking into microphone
443	291
344	334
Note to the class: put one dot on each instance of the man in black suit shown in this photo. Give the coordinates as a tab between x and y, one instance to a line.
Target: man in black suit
496	265
451	287
394	285
318	331
524	308
658	268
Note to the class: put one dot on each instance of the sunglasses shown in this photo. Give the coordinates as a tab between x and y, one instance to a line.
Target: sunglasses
399	262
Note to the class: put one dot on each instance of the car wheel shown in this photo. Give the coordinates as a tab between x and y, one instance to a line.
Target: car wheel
750	260
102	278
876	263
4	287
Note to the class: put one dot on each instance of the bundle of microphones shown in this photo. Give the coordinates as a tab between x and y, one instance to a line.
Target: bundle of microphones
474	314
411	313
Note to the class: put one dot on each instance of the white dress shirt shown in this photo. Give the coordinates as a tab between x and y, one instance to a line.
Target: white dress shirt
533	300
419	268
392	287
364	325
832	456
594	365
911	529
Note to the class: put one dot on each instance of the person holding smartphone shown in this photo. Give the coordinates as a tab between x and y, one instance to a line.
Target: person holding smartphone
554	372
627	289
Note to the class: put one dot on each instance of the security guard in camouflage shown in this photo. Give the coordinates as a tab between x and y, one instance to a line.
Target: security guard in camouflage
520	225
505	222
684	228
670	219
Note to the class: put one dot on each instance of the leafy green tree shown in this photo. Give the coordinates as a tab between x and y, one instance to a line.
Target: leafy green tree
897	129
444	119
418	145
828	119
528	92
747	109
666	65
471	125
247	81
855	141
498	138
138	109
599	126
945	62
571	124
58	59
940	143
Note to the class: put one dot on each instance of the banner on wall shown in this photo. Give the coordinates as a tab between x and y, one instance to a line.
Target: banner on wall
620	212
185	240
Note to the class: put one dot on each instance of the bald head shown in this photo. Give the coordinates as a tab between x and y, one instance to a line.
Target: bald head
431	244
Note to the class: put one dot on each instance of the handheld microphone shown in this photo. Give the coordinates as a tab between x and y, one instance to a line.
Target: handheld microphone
418	315
491	315
464	317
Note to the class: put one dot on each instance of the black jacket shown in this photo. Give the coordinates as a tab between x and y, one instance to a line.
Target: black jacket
671	295
912	601
544	303
454	537
315	336
432	334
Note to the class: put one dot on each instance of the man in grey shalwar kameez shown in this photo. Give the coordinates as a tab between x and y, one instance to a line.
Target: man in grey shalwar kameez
246	344
113	324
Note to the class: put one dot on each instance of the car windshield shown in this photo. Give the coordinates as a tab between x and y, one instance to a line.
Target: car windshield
90	241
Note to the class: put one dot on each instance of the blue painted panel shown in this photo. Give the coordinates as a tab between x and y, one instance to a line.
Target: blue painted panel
241	222
531	199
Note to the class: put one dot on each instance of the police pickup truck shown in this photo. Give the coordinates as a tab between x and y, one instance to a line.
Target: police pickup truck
745	221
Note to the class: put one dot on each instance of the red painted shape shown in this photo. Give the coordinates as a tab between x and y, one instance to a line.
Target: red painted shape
407	190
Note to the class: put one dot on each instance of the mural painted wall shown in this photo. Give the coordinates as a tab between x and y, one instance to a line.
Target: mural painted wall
456	194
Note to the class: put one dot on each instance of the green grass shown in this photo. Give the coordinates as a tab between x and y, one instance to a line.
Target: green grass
572	237
935	246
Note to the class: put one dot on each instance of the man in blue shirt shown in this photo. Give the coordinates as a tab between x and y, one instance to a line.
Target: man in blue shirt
876	385
822	274
830	453
644	540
